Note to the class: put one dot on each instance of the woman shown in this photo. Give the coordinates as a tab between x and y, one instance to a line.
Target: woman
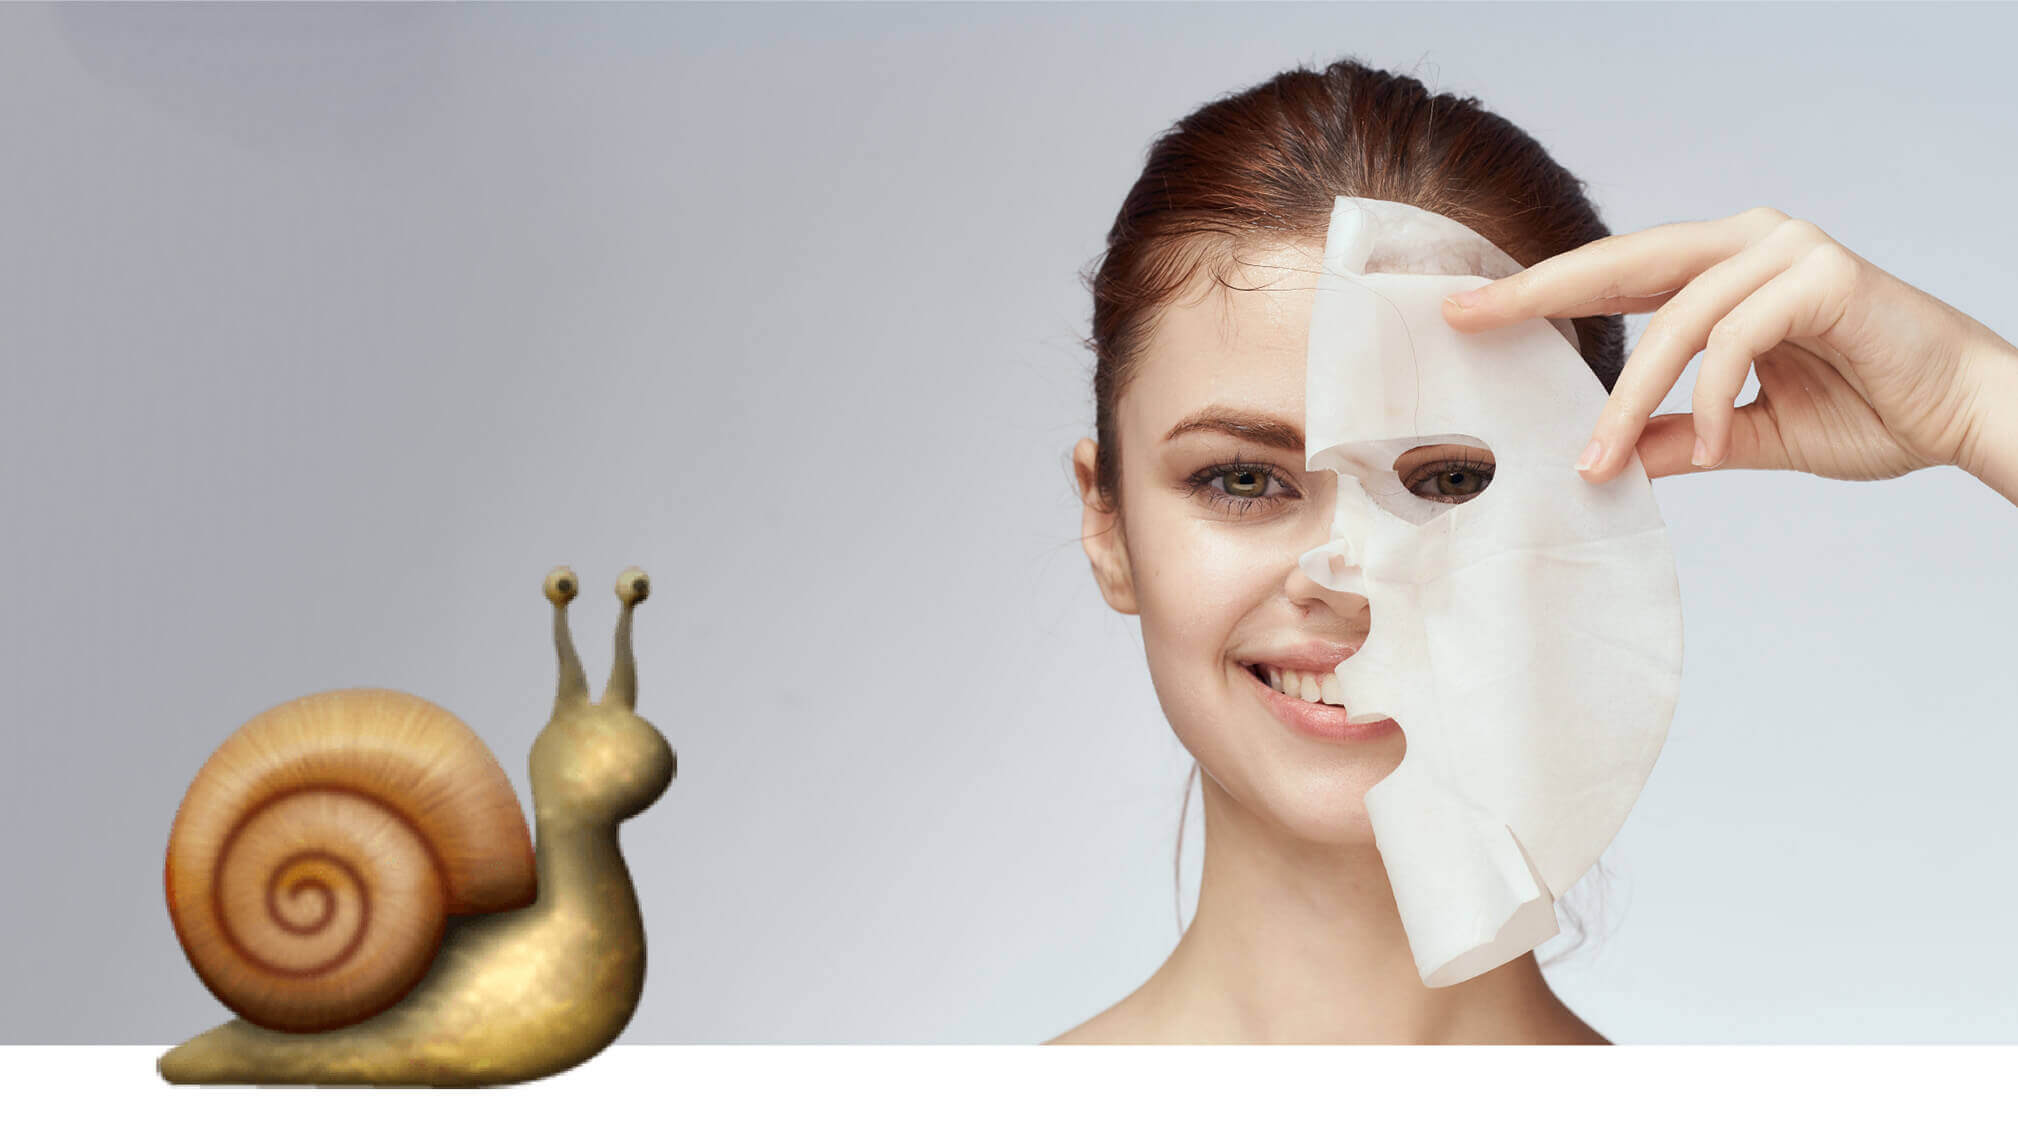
1196	505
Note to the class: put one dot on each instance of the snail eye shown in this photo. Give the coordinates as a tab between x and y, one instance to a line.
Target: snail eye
633	585
561	585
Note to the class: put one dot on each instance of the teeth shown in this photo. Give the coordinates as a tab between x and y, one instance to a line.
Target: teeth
1305	684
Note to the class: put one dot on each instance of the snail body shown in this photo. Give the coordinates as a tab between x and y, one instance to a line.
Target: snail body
351	874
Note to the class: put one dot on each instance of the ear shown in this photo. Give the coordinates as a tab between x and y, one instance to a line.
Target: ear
1101	535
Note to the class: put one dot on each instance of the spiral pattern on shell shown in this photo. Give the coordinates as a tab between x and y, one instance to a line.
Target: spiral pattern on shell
316	857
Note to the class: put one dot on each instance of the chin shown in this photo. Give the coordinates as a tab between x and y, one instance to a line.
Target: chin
1308	790
1323	805
1304	787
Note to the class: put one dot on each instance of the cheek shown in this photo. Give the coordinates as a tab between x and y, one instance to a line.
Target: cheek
1196	581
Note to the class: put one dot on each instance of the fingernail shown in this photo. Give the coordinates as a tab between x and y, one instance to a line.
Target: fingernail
1592	455
1701	456
1465	300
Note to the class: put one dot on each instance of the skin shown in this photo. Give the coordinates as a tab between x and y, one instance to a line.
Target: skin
1296	937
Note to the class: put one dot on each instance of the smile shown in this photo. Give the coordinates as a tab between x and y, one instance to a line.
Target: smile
1315	718
1306	684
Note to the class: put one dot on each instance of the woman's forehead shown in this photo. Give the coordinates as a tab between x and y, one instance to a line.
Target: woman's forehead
1242	344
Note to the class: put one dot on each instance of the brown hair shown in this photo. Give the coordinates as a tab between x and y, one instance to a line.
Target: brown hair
1263	165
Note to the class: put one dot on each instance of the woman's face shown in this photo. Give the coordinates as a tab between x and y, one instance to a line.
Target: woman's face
1215	511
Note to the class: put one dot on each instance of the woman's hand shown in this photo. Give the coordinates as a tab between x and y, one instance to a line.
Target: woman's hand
1861	376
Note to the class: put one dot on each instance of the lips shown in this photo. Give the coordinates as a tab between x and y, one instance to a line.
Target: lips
1329	723
1309	655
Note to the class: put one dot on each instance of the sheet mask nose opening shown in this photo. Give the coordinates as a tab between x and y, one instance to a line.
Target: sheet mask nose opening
1331	566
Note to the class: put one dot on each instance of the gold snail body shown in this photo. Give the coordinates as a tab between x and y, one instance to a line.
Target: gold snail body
347	876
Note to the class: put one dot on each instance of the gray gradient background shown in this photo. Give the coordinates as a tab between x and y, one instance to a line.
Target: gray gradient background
326	332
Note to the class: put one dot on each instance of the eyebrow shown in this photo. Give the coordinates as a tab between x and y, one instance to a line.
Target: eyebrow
1265	429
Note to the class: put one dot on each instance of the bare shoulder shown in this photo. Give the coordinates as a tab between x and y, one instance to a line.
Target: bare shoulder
1106	1028
1566	1029
1548	1024
1125	1023
1083	1034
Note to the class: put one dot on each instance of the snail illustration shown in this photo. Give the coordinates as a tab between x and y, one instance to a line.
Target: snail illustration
351	874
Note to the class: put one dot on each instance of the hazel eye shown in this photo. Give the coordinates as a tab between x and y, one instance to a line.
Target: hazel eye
1454	482
1241	487
1246	482
1446	473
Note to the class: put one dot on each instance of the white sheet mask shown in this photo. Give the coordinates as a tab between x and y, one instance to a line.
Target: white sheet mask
1528	639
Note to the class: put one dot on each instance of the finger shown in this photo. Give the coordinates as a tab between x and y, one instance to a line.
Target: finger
1615	274
1680	330
1802	300
1624	303
1665	444
1754	443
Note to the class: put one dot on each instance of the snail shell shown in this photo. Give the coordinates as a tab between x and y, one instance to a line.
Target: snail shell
316	857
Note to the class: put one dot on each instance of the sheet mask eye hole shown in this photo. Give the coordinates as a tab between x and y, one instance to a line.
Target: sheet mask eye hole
1417	478
1445	472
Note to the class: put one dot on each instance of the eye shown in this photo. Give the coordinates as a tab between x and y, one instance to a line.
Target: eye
560	585
1452	481
1446	480
1239	487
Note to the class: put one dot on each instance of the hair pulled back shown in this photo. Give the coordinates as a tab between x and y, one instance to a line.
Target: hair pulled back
1264	165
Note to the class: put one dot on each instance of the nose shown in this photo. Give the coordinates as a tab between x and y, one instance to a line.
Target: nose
1332	566
1330	572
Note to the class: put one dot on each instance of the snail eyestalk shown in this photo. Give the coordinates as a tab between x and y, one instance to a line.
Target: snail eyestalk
561	587
632	587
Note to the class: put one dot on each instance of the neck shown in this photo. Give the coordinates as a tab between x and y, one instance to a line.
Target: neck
1295	941
581	868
